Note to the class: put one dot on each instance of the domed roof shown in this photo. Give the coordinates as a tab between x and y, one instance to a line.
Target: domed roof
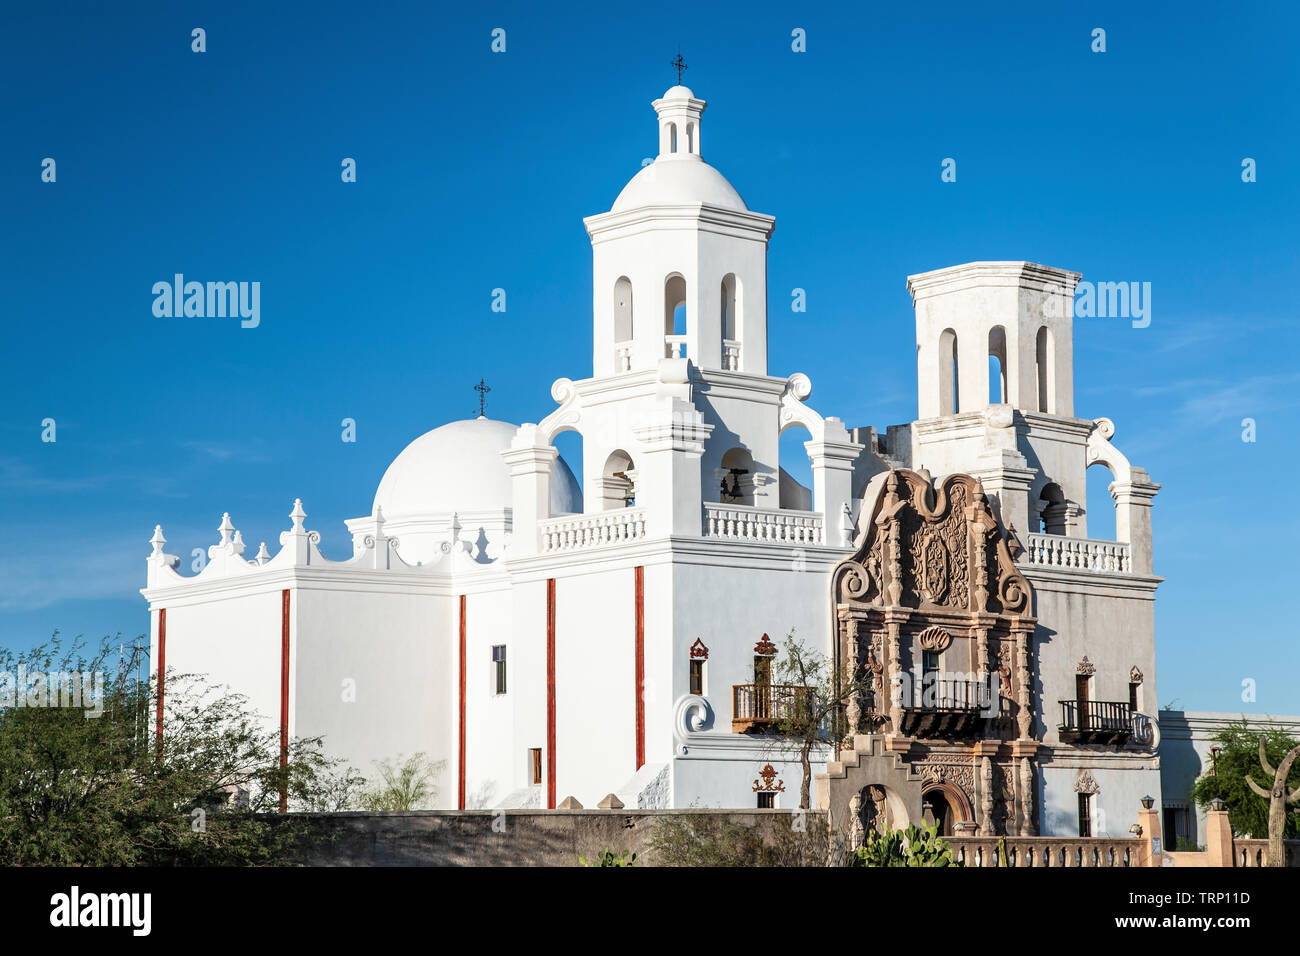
674	180
458	467
678	92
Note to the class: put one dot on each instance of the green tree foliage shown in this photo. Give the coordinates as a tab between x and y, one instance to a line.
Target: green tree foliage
1226	779
911	847
404	784
80	789
825	690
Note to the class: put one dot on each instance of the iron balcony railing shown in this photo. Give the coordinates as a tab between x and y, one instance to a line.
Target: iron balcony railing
754	704
935	693
1096	721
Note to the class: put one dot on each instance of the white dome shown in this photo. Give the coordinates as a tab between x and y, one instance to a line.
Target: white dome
678	92
678	181
458	467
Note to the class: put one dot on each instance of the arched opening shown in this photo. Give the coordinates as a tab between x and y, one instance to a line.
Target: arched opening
623	324
618	481
997	365
1044	363
569	463
794	476
736	478
944	806
1100	504
690	137
948	404
675	316
1051	509
672	137
730	345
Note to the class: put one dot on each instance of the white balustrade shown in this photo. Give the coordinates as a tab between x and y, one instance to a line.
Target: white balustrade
622	356
746	523
580	532
731	355
1081	554
674	346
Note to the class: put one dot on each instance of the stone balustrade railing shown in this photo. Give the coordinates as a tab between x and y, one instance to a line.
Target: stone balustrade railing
1047	851
747	523
1081	554
622	356
674	346
730	355
580	532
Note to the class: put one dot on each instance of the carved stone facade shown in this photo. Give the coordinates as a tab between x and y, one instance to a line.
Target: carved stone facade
936	633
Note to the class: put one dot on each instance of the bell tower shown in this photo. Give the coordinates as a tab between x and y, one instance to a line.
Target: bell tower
679	263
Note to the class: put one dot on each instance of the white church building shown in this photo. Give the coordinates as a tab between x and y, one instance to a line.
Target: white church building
550	639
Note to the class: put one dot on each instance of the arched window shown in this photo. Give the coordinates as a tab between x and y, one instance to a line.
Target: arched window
997	365
1044	363
736	484
675	316
672	137
730	344
618	481
1052	508
948	404
623	324
690	137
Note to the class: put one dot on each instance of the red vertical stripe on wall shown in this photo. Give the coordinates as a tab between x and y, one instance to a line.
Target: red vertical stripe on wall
284	696
550	693
640	667
162	670
460	782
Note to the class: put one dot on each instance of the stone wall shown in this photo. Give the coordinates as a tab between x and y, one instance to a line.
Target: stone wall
544	837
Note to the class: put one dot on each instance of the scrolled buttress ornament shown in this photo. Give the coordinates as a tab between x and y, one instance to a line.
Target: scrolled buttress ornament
856	581
692	715
313	537
562	390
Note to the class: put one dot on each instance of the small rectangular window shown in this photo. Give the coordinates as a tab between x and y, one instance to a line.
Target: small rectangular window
1133	697
697	677
499	665
767	801
535	761
763	670
1085	815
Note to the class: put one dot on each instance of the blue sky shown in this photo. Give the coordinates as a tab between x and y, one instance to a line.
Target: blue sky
474	171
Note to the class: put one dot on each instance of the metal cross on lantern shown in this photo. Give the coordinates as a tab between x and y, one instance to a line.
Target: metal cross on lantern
680	64
482	388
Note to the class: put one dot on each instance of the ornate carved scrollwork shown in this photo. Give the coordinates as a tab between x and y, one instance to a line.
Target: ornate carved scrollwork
933	547
934	639
769	782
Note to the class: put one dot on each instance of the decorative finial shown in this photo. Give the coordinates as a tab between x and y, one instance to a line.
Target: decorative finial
263	555
225	528
679	64
157	541
297	514
482	388
237	545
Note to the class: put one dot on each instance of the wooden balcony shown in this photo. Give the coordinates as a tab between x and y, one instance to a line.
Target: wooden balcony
1095	722
947	708
762	707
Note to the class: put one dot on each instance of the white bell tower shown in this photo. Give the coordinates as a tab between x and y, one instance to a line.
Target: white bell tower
679	262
